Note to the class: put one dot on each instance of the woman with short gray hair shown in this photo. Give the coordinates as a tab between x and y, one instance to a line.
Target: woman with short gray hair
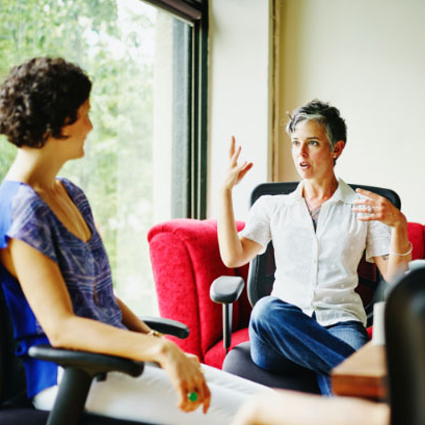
313	317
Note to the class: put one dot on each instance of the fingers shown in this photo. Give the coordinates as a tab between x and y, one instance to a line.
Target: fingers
201	387
232	147
375	207
367	210
368	193
244	168
234	152
193	391
235	172
371	198
234	158
195	395
372	204
207	398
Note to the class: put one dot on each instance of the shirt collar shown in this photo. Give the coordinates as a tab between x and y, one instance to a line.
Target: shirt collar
343	193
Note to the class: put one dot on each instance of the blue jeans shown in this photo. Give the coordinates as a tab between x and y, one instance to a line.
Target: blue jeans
281	335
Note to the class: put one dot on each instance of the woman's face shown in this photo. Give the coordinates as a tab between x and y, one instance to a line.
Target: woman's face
311	151
78	131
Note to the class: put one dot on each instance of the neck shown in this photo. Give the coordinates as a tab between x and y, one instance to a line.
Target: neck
320	191
36	167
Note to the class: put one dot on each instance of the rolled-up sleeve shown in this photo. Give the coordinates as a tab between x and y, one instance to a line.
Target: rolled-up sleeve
378	240
257	227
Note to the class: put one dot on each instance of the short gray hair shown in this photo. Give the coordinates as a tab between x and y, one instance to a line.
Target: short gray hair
324	114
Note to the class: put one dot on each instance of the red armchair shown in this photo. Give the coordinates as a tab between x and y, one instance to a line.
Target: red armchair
186	260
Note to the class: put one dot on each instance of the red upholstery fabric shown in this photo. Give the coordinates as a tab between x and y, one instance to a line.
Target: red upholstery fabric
417	237
415	232
186	260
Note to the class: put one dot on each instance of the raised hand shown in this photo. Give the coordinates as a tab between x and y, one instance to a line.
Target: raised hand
236	172
376	207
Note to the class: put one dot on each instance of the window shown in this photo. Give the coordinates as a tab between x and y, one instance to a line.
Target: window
145	159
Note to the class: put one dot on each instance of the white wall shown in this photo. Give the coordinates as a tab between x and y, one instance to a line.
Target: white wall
367	58
239	94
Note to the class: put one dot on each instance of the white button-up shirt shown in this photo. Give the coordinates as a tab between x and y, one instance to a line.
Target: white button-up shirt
317	270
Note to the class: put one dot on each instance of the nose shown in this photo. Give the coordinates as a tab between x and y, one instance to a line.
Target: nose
303	150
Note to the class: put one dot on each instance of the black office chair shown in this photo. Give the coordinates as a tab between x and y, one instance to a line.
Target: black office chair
226	290
80	370
405	349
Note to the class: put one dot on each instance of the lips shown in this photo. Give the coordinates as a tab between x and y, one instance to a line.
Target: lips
304	164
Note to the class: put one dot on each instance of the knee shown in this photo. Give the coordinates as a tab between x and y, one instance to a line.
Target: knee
264	313
261	310
269	311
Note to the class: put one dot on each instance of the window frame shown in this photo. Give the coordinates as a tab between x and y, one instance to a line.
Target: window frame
195	13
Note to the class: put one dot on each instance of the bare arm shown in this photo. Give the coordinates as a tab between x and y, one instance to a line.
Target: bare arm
48	297
130	320
234	251
292	408
394	264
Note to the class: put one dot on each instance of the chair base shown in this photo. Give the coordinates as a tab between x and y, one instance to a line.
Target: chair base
238	362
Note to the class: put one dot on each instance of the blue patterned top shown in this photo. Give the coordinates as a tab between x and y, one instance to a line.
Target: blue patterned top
84	266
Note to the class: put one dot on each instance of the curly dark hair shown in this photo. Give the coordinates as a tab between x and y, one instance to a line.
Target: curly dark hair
39	97
324	114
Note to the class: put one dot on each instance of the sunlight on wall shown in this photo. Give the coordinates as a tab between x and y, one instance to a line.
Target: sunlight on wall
365	57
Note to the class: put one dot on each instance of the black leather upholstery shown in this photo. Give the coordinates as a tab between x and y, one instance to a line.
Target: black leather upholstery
405	349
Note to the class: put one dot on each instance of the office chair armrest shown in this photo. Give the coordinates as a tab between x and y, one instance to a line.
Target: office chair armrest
80	368
226	290
167	326
92	363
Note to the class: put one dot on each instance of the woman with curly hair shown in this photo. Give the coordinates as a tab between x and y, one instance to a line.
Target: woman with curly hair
55	273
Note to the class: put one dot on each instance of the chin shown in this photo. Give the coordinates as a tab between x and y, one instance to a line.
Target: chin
79	155
305	174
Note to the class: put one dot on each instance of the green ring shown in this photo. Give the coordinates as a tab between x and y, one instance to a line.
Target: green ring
192	396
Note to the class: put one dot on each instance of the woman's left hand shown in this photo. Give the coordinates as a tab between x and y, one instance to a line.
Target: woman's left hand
376	207
379	208
186	376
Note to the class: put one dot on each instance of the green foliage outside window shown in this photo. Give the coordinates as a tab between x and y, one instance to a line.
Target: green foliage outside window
116	172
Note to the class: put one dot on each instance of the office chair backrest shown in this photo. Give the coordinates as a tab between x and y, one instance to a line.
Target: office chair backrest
12	373
405	349
262	268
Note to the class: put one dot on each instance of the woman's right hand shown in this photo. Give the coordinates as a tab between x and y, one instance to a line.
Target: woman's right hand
185	373
235	172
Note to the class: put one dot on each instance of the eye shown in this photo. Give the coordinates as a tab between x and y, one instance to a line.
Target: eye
314	143
295	142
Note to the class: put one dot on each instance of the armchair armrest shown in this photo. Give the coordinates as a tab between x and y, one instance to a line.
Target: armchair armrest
95	365
167	326
226	290
80	369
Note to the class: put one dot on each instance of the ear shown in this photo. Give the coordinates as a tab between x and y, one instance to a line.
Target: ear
338	148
